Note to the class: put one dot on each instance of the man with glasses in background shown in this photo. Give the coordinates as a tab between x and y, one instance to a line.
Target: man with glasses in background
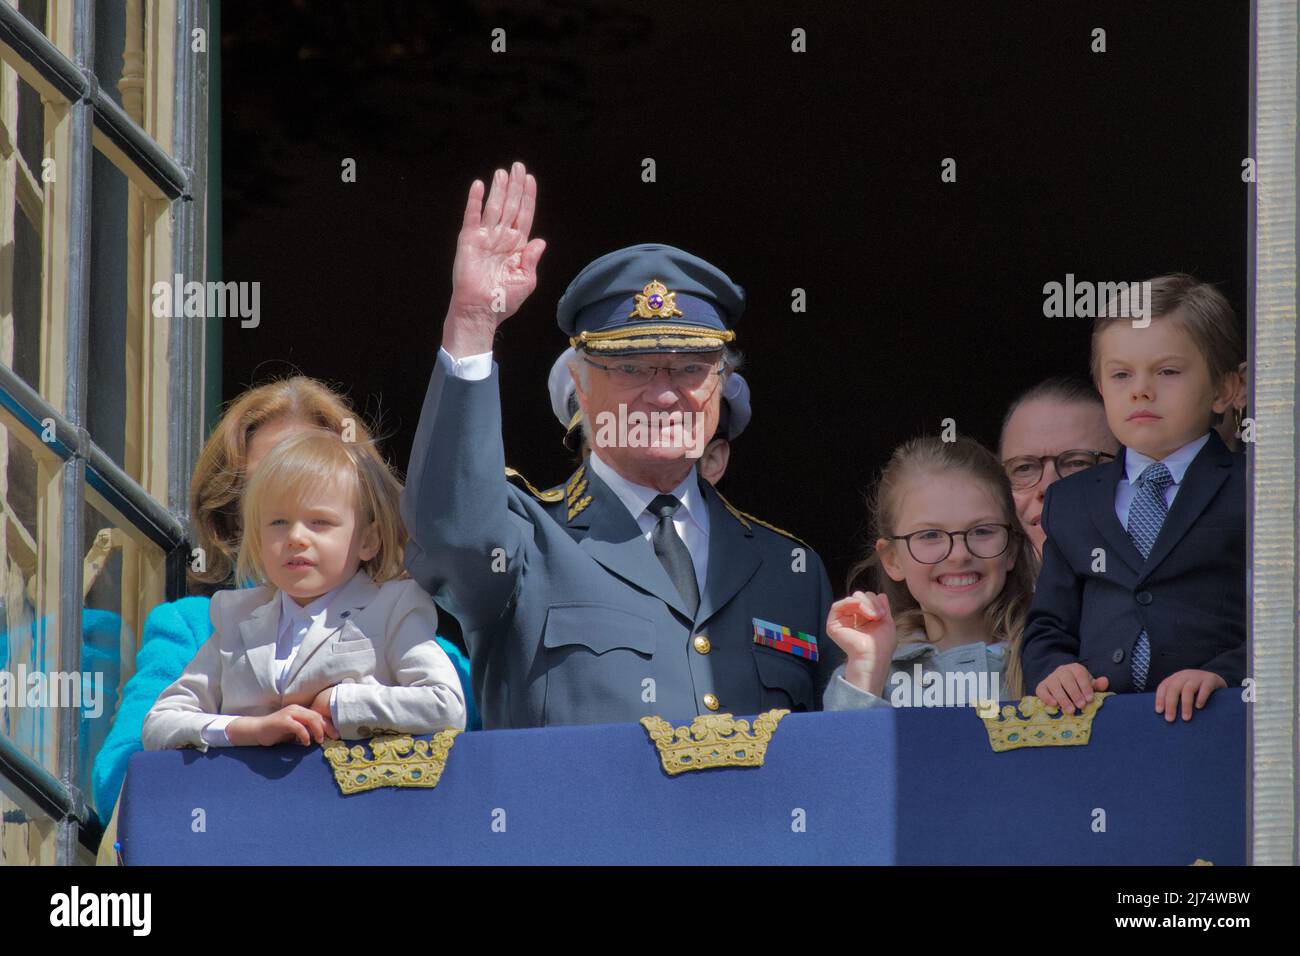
1055	429
634	589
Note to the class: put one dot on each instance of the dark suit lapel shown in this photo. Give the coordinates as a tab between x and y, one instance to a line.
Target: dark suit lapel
1201	482
1101	508
733	558
606	531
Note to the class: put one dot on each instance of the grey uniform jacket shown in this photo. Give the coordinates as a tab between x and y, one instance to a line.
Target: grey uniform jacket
568	615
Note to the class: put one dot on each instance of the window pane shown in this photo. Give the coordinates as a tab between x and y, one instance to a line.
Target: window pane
34	11
119	54
31	127
30	680
124	577
20	304
107	398
27	837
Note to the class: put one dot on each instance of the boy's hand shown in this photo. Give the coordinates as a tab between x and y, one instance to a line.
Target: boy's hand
1187	686
321	705
1070	686
290	724
862	625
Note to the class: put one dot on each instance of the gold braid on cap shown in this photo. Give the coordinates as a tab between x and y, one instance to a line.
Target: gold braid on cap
650	336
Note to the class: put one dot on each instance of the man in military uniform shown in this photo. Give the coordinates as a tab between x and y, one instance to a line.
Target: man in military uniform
634	589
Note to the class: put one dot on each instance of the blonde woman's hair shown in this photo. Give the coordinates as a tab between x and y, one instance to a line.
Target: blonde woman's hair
310	462
221	473
922	459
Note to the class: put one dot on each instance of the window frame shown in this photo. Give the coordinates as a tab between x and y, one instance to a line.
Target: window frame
174	176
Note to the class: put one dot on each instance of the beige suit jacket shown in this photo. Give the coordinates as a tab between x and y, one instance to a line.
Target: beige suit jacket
377	645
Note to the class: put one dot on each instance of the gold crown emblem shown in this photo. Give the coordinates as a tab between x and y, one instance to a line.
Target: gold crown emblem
397	760
655	302
1031	723
712	740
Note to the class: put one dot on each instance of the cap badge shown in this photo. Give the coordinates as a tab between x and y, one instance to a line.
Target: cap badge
655	302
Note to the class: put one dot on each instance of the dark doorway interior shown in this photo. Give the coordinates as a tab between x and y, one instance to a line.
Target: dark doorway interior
818	171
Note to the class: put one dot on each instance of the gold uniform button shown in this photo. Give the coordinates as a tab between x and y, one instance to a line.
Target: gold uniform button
702	643
711	702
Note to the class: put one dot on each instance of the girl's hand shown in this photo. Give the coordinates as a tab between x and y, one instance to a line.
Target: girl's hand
496	263
290	724
1188	686
862	625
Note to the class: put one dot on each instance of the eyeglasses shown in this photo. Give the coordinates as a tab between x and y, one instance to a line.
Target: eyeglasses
688	375
1025	471
930	545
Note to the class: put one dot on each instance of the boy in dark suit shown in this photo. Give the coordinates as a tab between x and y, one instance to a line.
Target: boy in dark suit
1143	578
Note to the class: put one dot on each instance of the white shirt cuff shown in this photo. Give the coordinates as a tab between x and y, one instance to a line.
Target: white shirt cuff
472	368
214	733
334	704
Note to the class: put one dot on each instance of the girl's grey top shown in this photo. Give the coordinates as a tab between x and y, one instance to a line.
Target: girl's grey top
976	671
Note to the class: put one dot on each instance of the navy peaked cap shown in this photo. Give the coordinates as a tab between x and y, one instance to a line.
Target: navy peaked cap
650	298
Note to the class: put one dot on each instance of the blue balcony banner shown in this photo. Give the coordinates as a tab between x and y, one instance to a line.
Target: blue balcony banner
886	786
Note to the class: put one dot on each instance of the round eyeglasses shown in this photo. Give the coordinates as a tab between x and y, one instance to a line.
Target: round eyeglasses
1025	471
931	545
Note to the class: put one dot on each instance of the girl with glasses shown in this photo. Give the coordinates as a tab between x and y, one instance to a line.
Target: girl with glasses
955	575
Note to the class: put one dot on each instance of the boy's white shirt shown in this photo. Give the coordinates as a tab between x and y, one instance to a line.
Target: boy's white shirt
376	643
1135	463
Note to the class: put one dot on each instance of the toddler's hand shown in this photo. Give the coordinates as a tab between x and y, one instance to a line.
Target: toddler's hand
863	626
293	723
1069	686
1188	686
321	705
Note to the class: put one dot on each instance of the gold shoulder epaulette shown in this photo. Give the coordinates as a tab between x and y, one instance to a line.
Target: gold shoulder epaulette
573	492
744	518
551	496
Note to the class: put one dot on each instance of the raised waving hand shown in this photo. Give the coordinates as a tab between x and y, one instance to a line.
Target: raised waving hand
496	262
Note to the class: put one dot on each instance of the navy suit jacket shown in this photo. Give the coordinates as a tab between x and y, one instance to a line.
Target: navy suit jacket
1189	594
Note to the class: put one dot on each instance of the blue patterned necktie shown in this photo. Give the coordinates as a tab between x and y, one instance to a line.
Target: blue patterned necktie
1146	515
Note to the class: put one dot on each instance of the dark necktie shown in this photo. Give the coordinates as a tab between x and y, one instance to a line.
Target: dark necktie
671	551
1146	515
